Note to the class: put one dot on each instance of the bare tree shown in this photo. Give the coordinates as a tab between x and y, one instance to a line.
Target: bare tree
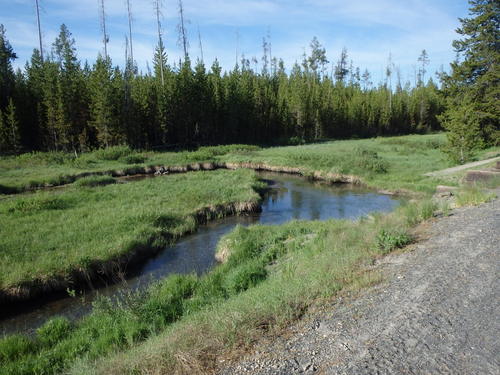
388	72
129	11
269	49
237	53
157	6
105	37
39	28
423	59
183	41
200	44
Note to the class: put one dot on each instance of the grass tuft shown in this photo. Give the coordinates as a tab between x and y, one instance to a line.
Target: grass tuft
472	196
390	239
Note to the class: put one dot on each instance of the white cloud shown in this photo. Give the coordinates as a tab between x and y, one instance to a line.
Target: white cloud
369	29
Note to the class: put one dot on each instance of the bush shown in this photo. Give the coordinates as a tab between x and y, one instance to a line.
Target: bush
388	240
245	276
369	160
295	141
112	153
132	159
44	158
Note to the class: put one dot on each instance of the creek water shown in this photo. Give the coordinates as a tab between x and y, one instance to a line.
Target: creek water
289	197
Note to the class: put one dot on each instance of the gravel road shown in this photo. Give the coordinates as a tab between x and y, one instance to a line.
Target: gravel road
436	313
462	167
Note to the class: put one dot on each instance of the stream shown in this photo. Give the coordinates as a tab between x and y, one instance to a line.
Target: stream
289	197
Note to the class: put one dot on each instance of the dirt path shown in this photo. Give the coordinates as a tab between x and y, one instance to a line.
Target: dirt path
459	168
437	313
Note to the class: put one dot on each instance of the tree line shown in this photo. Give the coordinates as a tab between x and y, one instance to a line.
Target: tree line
58	103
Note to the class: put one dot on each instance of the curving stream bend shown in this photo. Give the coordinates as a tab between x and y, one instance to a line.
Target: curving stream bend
289	197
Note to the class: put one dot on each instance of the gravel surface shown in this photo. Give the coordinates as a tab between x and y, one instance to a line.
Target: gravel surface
459	168
437	312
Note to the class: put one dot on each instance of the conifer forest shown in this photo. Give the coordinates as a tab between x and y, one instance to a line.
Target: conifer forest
59	103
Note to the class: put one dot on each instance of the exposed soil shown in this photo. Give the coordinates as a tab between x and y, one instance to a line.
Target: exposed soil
436	312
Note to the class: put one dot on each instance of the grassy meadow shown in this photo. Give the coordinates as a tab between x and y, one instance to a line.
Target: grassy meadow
383	162
46	236
182	323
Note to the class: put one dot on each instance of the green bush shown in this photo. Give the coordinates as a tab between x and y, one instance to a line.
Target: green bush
44	158
245	276
133	159
112	153
390	239
369	160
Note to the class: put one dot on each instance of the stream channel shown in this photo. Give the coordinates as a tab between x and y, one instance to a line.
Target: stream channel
289	197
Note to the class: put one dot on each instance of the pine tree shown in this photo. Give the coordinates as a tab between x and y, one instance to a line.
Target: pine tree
473	87
7	55
10	140
72	108
101	104
341	70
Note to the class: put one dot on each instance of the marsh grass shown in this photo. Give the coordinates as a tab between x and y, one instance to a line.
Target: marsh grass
271	277
181	323
48	235
39	169
304	262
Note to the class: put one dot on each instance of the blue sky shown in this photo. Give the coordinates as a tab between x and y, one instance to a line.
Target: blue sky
371	30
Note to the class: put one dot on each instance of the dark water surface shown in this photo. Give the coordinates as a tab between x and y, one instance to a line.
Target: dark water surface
290	197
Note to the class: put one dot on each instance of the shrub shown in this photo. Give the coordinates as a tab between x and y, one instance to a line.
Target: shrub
133	159
388	240
112	153
369	160
245	276
295	141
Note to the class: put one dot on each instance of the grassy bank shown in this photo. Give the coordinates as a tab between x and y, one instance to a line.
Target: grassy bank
183	322
35	170
389	163
50	239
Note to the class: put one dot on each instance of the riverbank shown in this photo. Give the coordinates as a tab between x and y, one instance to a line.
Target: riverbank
273	274
434	312
62	239
391	163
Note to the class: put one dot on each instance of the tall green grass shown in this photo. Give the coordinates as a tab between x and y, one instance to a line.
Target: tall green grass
38	169
47	235
272	275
